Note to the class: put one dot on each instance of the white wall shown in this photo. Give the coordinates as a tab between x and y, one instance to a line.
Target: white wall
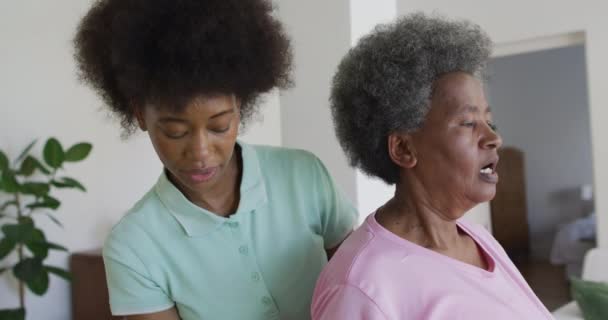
517	20
320	32
40	97
539	102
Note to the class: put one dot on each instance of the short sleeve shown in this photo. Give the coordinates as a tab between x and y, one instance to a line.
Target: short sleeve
132	290
338	216
345	302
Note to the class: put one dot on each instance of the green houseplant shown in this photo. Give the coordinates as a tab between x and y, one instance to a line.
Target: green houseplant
26	185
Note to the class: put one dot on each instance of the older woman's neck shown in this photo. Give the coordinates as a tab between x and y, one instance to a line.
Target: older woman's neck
415	217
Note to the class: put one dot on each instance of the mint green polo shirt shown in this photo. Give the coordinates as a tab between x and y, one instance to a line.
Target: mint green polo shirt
260	263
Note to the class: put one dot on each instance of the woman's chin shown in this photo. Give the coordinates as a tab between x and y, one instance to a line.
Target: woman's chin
486	194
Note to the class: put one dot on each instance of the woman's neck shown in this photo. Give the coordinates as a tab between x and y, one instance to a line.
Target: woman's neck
224	197
412	216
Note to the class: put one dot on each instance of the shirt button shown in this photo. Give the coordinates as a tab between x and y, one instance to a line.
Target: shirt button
233	224
243	250
266	301
255	276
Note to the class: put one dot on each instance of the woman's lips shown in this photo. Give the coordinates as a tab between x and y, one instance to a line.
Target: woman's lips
489	176
201	175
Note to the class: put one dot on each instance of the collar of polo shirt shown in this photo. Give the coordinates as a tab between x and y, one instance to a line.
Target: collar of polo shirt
196	221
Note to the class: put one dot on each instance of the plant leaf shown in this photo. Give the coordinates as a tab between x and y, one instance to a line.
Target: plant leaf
40	283
59	272
29	165
3	161
27	268
78	152
26	151
26	221
55	246
55	220
66	182
12	314
46	202
37	244
39	189
31	271
54	203
53	153
9	183
18	233
6	246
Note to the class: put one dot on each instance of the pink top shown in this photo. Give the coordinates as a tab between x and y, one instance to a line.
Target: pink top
377	275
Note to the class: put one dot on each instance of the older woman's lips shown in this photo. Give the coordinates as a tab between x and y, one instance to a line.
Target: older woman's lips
202	175
488	175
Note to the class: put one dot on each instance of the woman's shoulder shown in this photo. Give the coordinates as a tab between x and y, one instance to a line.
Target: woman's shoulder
282	159
276	153
362	256
140	222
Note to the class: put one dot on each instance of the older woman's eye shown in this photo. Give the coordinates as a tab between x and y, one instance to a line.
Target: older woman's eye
492	126
469	124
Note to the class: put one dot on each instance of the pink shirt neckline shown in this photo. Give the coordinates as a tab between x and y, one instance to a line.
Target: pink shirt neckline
414	248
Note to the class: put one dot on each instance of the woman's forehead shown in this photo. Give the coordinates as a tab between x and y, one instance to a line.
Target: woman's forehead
459	93
197	104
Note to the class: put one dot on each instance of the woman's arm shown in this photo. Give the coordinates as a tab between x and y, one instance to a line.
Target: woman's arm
170	314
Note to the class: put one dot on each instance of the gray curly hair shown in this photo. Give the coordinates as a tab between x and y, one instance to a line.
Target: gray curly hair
384	84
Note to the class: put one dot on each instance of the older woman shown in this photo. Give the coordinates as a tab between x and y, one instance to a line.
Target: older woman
230	230
409	108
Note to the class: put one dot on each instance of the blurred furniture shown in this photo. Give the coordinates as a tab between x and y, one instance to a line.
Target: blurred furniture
509	208
595	268
89	290
572	241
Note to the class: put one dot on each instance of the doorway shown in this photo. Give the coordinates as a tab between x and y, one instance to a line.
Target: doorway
539	102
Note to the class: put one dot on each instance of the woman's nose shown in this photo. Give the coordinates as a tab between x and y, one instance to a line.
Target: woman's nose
492	140
198	147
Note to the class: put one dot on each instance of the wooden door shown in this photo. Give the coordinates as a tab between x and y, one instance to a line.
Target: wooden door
508	209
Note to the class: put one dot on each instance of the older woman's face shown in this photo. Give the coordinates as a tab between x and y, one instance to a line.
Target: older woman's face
196	145
456	149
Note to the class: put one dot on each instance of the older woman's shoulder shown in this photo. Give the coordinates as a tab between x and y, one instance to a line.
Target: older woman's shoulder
365	255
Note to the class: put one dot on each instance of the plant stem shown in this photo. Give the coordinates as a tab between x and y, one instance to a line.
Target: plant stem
20	253
21	285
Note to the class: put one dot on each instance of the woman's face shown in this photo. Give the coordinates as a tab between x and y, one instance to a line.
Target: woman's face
456	149
196	145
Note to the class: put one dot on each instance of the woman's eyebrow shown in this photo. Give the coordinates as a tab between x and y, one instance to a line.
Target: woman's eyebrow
171	119
471	109
222	113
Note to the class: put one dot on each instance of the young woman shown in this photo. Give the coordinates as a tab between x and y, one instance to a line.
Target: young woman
230	230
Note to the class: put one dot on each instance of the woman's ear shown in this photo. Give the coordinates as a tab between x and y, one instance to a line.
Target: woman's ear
139	116
401	150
